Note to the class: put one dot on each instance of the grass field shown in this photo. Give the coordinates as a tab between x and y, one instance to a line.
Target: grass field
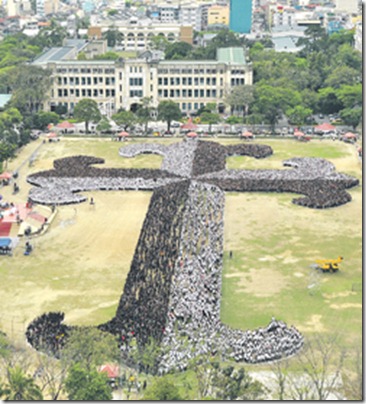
80	265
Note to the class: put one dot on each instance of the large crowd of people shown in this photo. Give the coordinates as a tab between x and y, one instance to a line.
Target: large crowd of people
173	290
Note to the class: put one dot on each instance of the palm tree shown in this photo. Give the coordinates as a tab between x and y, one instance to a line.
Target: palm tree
20	387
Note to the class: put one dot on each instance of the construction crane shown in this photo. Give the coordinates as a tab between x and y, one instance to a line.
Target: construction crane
328	265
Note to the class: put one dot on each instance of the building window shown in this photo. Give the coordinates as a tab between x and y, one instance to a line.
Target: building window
83	92
60	93
77	81
77	92
196	93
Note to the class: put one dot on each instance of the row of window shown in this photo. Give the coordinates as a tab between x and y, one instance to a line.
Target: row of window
189	93
86	93
72	105
136	81
189	71
86	80
85	70
189	81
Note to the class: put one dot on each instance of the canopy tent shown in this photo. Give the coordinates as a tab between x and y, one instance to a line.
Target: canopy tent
5	175
111	370
65	125
5	242
247	134
52	135
189	125
350	135
324	127
123	134
192	134
299	134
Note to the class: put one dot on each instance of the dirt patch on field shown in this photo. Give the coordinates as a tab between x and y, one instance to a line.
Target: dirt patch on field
262	282
346	306
339	294
313	325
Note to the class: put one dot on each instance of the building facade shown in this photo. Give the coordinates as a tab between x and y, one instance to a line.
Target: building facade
218	15
122	84
241	12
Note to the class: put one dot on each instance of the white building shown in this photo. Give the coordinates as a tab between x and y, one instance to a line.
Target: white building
122	84
358	37
349	6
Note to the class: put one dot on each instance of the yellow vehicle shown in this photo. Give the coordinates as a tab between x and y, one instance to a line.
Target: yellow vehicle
329	265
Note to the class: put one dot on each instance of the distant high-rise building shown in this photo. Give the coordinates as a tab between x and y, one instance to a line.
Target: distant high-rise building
241	12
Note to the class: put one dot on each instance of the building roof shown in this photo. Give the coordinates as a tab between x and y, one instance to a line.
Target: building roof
286	44
231	55
4	98
76	43
54	55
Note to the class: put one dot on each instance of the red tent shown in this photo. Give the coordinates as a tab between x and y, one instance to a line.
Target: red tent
111	370
65	125
247	134
50	126
350	135
192	134
123	134
299	134
5	176
189	125
324	127
52	135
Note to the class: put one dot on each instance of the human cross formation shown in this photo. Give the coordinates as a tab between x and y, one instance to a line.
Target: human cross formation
173	290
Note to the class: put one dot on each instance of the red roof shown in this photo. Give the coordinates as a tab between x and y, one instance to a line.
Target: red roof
5	176
65	125
192	134
111	370
189	125
324	127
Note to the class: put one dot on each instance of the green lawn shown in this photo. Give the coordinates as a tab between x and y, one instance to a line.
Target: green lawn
80	268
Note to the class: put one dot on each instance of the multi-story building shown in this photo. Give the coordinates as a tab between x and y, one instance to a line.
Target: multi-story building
46	7
241	12
138	35
358	36
349	6
282	16
122	84
218	15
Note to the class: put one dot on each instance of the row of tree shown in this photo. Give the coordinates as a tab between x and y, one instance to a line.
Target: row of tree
317	373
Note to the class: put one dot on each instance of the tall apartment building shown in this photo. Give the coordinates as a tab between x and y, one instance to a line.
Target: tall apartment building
46	7
121	84
218	15
241	12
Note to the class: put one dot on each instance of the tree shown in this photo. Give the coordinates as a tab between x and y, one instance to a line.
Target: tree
144	111
104	125
87	385
124	119
233	120
43	118
168	111
350	96
210	118
50	36
159	42
90	347
351	116
321	363
297	115
87	110
343	75
20	387
230	384
162	389
329	103
146	356
241	97
30	85
272	101
113	37
177	50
